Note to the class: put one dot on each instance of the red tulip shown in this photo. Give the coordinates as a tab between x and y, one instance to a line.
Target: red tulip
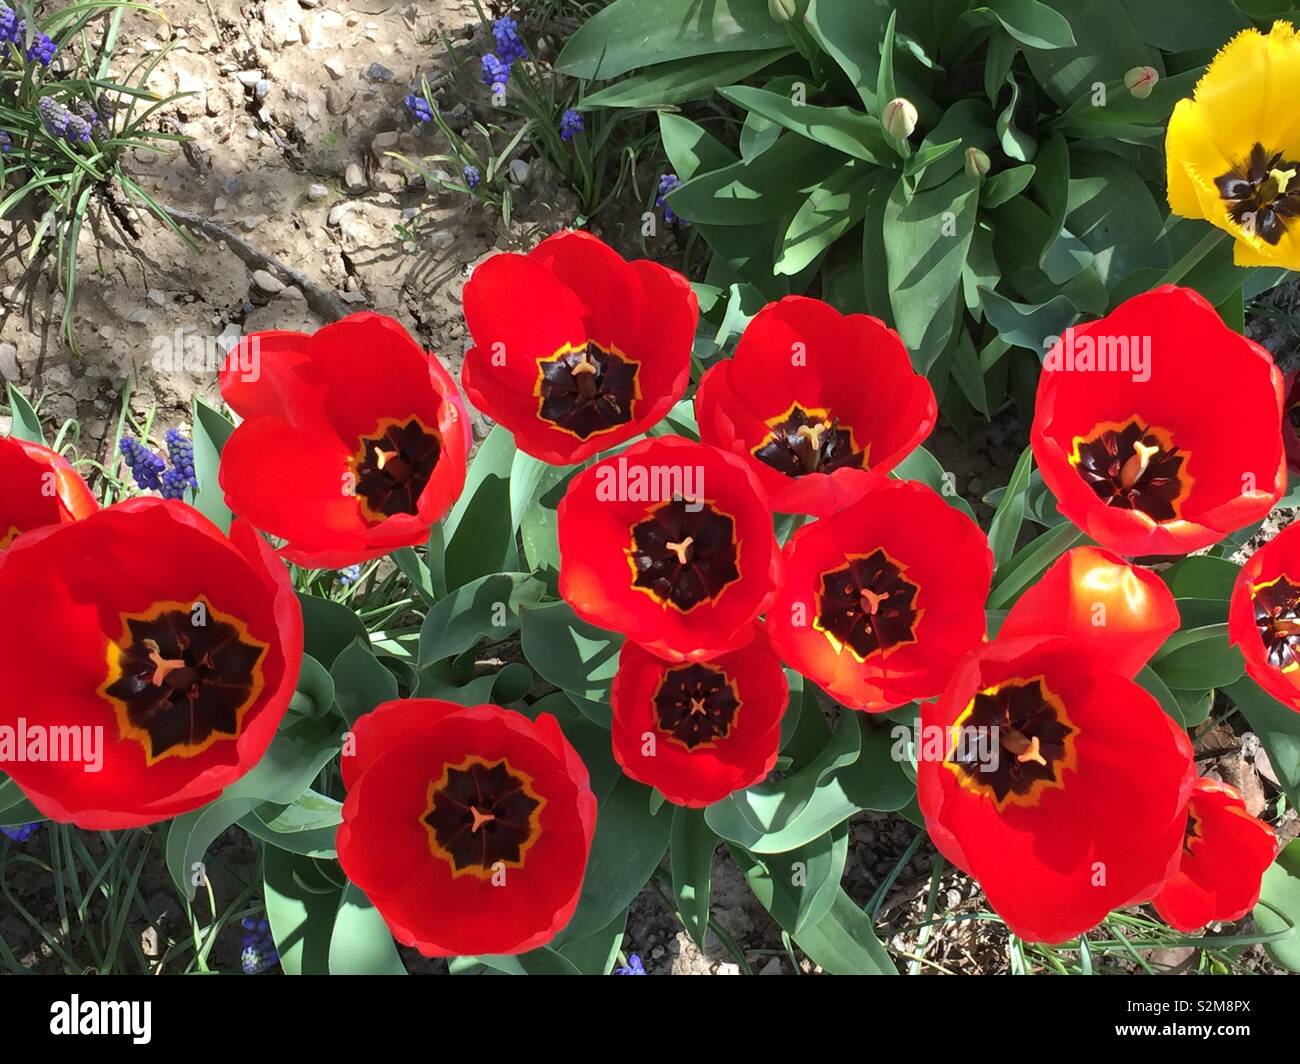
153	639
37	488
1124	614
698	731
576	349
354	442
468	828
1225	854
1157	427
1059	785
670	543
812	398
1264	616
882	598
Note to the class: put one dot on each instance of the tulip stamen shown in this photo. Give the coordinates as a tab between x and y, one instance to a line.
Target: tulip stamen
480	818
698	707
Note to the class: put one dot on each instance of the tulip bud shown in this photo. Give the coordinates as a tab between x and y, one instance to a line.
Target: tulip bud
977	163
1140	81
782	10
899	118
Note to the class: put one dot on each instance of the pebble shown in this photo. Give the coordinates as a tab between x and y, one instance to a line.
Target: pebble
262	90
337	213
252	133
518	171
335	65
317	192
249	78
384	142
157	297
379	72
354	177
8	362
267	282
353	297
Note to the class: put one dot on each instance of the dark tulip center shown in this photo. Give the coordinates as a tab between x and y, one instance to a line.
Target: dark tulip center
181	677
393	466
684	554
1263	193
482	815
867	606
587	390
1192	833
803	441
1134	467
1013	740
696	705
1277	617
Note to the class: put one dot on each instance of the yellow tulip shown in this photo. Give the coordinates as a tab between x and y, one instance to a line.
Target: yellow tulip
1233	150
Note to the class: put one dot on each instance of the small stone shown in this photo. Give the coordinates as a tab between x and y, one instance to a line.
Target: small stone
335	65
387	182
8	362
354	177
317	192
254	222
337	213
379	72
354	297
251	133
266	282
157	297
249	78
518	171
262	89
384	142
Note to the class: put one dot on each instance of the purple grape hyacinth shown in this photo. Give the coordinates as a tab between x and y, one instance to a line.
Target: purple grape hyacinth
62	123
418	108
42	50
473	175
20	832
495	72
571	124
666	185
510	46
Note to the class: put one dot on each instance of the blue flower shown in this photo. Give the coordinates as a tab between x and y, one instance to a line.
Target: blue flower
62	123
258	951
146	466
418	108
634	967
181	452
6	145
666	184
472	176
42	50
510	46
571	124
21	833
495	72
12	28
349	576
